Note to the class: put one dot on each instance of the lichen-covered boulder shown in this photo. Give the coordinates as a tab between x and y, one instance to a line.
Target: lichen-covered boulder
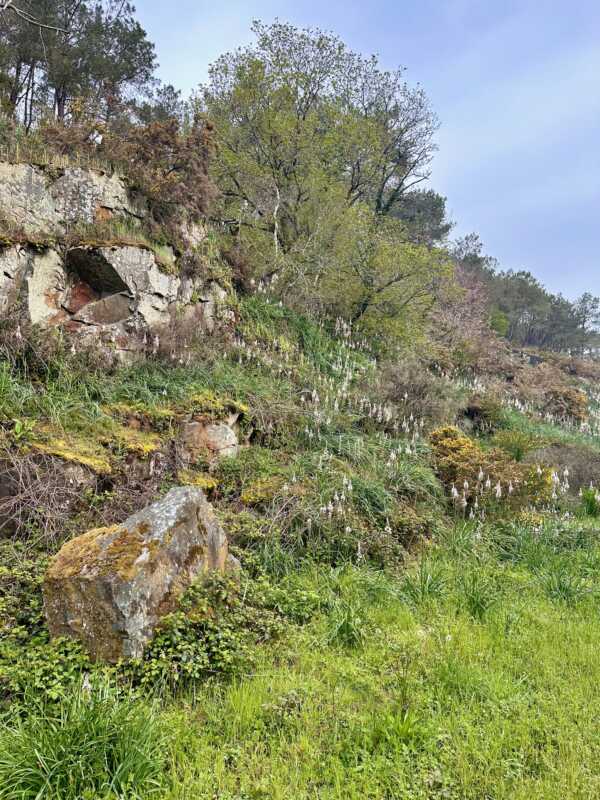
110	587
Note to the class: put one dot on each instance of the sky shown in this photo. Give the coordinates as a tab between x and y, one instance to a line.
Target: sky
515	83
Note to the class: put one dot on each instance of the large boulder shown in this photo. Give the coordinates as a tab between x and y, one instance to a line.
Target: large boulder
118	297
129	271
110	587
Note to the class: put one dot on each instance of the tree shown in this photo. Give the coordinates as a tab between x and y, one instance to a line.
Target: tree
91	50
523	310
423	211
163	104
587	312
297	115
363	268
23	14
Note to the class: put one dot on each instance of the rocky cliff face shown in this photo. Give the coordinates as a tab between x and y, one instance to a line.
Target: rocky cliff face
117	295
50	201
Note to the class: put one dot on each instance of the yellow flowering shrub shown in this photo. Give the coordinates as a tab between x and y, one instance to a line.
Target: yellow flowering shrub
476	477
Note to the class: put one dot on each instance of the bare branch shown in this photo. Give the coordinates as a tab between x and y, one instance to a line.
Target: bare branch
8	5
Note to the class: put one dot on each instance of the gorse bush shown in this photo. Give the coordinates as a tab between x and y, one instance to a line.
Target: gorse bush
91	745
516	443
479	478
567	403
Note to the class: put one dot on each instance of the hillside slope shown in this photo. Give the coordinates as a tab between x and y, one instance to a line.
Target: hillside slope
399	629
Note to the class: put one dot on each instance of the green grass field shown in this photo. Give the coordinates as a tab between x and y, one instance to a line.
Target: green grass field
474	677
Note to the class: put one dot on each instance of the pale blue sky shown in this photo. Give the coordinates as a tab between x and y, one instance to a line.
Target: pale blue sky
516	85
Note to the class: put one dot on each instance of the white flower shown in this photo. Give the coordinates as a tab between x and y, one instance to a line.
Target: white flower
86	685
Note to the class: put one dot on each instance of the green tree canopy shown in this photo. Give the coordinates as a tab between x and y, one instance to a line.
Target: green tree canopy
298	114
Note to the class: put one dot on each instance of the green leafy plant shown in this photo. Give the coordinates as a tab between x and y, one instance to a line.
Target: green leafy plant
22	429
392	729
212	633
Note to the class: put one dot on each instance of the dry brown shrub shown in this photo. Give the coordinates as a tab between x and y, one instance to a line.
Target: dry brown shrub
567	403
532	382
39	494
428	396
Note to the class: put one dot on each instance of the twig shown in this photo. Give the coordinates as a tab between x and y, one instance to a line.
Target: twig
8	5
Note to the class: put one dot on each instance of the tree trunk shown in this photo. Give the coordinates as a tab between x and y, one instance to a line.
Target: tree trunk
60	103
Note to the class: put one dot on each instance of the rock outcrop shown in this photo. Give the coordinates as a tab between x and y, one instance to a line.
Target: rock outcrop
109	587
50	201
119	295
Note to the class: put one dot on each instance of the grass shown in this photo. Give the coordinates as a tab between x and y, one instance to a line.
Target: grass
91	745
547	431
488	689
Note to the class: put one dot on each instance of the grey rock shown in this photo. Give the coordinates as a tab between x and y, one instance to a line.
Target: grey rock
14	263
40	200
129	270
110	587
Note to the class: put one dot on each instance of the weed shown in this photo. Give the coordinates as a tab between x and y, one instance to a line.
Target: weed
561	582
427	582
346	624
478	593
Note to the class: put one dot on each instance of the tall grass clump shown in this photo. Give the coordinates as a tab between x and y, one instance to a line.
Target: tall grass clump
427	582
91	745
590	500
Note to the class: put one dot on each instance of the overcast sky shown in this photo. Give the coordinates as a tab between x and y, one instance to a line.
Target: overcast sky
516	84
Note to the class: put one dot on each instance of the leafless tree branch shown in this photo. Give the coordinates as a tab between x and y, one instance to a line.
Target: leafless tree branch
8	5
